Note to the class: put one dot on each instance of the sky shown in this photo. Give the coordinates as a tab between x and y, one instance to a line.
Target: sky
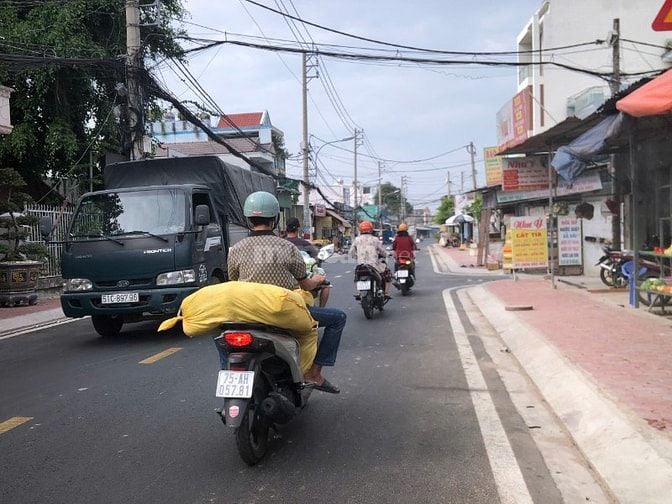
408	112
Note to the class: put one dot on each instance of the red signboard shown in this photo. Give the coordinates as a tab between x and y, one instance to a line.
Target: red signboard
514	120
663	21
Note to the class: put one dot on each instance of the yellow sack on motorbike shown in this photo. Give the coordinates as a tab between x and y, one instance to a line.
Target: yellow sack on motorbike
202	312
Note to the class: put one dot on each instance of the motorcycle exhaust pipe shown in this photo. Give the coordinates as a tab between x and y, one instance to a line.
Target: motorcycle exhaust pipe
278	408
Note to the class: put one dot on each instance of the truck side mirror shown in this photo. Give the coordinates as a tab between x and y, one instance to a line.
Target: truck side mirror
46	227
202	215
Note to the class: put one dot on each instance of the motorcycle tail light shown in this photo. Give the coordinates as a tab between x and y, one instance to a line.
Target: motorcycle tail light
407	261
238	339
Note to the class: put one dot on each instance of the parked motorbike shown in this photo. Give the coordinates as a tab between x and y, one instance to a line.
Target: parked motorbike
369	283
610	267
261	383
404	275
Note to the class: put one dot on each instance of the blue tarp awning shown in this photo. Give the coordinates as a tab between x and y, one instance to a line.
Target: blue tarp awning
571	160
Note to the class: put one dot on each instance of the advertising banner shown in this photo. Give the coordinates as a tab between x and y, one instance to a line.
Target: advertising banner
569	241
524	174
493	166
529	242
514	120
585	183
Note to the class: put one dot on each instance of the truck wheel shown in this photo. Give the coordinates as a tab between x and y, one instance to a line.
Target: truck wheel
107	325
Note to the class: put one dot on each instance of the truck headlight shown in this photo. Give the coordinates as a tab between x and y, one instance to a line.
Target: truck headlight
176	277
77	284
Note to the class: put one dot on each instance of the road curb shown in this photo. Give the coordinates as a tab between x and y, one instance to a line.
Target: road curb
634	464
17	325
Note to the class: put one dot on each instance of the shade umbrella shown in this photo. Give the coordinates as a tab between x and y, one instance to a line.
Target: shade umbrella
458	219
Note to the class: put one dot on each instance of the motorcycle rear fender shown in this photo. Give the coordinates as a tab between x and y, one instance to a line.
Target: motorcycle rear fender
240	406
602	259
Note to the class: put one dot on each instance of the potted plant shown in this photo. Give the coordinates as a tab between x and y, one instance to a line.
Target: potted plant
18	269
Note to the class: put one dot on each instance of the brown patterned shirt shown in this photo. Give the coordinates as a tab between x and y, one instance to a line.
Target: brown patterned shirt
268	259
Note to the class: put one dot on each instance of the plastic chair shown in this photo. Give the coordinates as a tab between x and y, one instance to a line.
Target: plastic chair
628	269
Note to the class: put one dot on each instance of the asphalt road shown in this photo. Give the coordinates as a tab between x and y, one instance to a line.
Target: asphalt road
105	428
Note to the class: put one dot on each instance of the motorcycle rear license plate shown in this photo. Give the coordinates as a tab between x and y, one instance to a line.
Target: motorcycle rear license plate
120	297
364	285
235	384
402	274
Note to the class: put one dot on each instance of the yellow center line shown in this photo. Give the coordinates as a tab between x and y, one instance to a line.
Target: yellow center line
13	422
160	355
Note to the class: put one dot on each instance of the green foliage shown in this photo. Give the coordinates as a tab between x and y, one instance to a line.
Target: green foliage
475	208
14	227
58	111
446	209
391	197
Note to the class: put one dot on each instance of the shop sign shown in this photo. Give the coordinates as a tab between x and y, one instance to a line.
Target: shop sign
514	120
529	242
585	183
320	211
569	241
525	173
493	166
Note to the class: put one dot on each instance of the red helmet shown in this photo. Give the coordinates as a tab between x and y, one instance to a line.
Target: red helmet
366	226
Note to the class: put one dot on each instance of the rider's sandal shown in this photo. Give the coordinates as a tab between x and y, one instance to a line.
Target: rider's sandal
325	386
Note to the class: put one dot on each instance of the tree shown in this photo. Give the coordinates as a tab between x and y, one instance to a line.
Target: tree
445	210
391	199
475	208
60	109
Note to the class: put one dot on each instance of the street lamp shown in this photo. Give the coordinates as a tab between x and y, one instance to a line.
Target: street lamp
306	209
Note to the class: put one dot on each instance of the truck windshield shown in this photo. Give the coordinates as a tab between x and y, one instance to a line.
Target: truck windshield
155	212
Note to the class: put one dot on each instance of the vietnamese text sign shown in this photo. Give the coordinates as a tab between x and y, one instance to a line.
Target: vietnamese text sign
493	166
514	120
585	183
569	241
528	242
524	174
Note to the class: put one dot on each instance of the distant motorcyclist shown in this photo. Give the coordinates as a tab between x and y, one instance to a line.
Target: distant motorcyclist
266	258
292	230
367	249
404	247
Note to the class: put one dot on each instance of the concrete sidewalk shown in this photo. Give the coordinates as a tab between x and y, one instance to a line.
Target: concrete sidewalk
16	319
602	366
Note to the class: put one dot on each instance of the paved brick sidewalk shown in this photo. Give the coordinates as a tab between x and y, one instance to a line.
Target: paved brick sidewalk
626	351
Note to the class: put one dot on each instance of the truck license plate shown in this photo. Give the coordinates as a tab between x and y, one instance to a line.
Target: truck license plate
364	285
120	297
235	384
402	274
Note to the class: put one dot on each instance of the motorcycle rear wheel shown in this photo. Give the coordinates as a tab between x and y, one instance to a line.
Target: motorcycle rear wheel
252	435
367	305
405	288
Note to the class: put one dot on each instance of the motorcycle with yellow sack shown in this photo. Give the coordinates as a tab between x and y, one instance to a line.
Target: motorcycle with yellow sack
266	340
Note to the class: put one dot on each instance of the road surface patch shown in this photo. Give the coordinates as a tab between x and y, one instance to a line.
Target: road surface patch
8	425
160	355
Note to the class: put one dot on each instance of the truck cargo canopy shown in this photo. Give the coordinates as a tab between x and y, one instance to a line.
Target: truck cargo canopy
230	184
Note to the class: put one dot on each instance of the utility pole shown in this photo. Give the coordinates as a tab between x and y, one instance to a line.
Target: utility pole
380	198
135	124
615	86
615	42
472	152
402	189
357	132
307	224
461	182
449	194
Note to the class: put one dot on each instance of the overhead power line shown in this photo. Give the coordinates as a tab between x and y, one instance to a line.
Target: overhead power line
434	61
413	48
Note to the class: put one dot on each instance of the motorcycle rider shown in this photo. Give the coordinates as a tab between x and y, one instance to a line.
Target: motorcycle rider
404	247
368	249
292	230
266	258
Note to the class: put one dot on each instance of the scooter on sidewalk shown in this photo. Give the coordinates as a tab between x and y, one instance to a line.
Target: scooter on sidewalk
261	383
610	267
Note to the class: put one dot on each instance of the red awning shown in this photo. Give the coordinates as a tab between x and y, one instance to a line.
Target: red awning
653	98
